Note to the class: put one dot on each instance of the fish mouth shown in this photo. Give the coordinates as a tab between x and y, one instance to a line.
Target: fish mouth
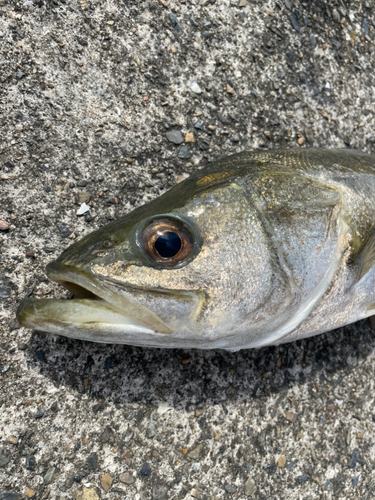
97	312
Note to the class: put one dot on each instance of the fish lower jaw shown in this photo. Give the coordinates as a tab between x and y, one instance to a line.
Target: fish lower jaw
88	318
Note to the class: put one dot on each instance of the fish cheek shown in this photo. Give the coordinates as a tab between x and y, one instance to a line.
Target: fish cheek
169	294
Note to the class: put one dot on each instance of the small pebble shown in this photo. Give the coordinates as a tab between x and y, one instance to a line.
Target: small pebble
30	463
49	476
29	493
82	41
106	482
64	231
175	136
250	488
230	89
223	119
194	87
353	461
355	481
195	453
93	461
189	137
145	470
295	23
83	209
40	413
12	439
365	26
281	461
291	417
173	18
82	197
184	153
4	226
126	478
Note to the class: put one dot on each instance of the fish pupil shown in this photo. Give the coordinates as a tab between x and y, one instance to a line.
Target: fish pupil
168	244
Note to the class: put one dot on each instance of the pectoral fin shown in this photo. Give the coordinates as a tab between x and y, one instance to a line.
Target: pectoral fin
367	256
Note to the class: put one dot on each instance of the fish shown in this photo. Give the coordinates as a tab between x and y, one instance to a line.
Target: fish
258	248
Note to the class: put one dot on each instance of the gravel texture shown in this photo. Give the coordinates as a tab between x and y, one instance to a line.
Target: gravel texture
109	104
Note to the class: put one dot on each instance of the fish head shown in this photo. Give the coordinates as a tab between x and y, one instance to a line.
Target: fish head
193	268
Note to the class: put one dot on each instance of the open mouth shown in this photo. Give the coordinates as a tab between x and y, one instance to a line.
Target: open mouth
87	314
78	291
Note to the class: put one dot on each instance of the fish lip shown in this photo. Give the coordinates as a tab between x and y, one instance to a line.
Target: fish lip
65	275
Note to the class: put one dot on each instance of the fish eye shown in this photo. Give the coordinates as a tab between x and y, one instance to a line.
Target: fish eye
107	244
167	241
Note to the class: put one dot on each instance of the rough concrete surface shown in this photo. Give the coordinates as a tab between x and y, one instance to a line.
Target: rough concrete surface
90	93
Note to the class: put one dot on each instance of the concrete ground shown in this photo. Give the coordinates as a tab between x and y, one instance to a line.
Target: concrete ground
89	91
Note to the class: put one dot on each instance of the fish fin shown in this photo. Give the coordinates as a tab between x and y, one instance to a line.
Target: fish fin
372	319
367	256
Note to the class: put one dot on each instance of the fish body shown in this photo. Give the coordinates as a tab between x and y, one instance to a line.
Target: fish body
259	248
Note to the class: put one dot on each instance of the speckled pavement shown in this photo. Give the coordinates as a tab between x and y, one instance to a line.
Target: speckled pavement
112	103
